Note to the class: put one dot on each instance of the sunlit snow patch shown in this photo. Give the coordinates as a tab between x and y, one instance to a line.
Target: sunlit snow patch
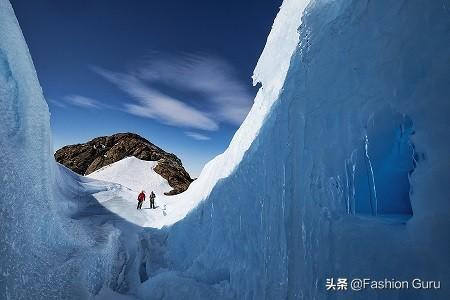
124	180
135	174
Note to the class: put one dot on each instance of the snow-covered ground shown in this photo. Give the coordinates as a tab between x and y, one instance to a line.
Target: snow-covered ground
134	174
122	181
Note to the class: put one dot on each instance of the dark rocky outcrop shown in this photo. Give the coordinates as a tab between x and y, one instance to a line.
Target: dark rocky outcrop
99	152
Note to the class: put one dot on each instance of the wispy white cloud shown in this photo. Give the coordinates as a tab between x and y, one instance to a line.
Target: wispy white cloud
82	101
197	136
222	97
210	76
57	103
156	105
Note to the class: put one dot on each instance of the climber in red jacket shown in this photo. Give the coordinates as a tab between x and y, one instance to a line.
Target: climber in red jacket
141	198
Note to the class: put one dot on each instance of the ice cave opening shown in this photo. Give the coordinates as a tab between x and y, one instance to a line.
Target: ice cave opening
383	165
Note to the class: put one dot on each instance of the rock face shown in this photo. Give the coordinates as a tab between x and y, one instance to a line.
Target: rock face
99	152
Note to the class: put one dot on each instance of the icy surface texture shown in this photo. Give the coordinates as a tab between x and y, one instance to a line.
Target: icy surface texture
348	175
43	254
25	157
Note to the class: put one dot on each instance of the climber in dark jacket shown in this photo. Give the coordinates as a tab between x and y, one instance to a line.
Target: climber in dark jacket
152	200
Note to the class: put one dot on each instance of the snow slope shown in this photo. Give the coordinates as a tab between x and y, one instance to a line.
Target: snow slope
355	99
135	174
124	181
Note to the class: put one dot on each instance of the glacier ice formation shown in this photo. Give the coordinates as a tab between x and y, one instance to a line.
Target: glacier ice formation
340	170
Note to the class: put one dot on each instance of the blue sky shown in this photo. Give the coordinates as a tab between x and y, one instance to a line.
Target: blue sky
176	72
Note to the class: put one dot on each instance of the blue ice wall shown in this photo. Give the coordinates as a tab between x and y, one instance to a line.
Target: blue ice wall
325	188
43	254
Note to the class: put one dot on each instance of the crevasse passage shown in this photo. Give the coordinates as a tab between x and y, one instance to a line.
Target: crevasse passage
288	205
